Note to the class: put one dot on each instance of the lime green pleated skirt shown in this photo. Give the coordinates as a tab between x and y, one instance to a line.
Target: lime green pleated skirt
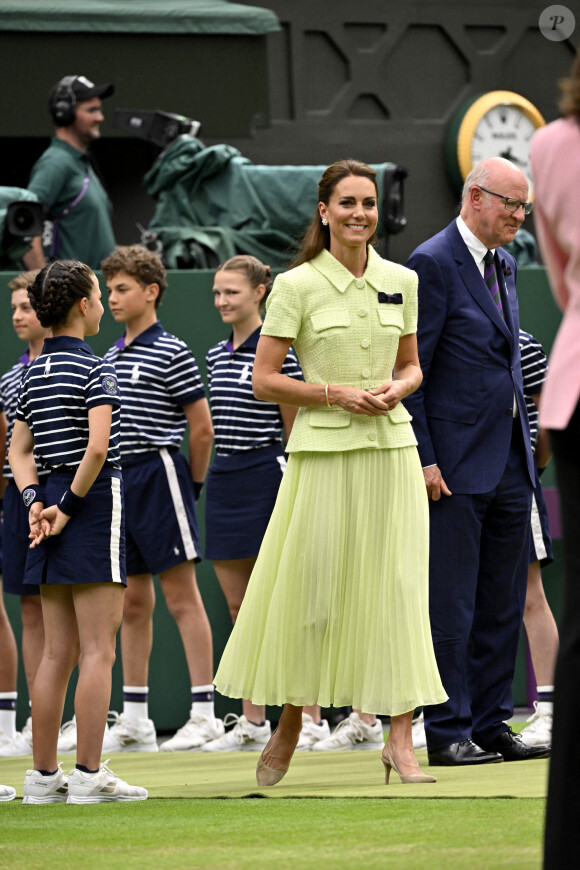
336	610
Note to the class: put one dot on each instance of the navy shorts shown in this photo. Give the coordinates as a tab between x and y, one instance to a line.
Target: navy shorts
239	503
91	547
161	523
540	537
15	543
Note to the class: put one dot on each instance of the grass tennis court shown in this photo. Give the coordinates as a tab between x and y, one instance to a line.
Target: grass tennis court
206	812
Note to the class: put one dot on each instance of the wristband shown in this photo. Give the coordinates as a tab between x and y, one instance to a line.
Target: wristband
70	503
32	493
197	488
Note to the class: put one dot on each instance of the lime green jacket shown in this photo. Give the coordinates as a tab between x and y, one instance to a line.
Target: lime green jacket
345	330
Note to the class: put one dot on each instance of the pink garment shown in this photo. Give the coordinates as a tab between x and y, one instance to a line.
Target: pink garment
555	157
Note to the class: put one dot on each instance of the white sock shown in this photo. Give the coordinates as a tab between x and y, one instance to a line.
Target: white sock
202	701
136	702
545	698
8	713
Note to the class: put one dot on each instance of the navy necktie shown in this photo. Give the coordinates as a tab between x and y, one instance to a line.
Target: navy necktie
490	278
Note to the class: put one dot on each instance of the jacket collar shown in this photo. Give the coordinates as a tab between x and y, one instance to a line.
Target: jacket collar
474	283
341	278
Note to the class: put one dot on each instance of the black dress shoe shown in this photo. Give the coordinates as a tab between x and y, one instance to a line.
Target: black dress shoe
464	752
513	748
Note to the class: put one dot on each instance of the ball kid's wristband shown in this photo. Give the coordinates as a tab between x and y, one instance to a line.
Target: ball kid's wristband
70	503
32	493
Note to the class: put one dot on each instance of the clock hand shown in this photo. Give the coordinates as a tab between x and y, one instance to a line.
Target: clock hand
509	156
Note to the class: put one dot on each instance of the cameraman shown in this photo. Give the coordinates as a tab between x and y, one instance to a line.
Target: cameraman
78	208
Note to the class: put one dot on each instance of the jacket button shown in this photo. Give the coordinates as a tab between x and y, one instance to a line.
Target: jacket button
365	342
509	412
366	373
372	436
362	312
360	283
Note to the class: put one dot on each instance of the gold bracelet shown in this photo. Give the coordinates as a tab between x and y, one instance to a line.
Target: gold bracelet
326	394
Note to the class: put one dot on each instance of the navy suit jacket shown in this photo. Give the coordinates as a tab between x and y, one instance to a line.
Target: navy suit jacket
470	358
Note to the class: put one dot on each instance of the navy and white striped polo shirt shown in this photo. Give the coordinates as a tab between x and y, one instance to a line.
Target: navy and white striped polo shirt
9	389
242	422
59	389
158	376
534	370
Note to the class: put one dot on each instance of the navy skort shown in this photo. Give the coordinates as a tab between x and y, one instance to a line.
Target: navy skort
15	543
540	537
91	547
239	502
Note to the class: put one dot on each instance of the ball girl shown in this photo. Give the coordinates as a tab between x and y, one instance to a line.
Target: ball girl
244	478
68	410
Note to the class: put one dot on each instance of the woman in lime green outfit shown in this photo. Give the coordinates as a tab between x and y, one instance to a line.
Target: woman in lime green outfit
336	611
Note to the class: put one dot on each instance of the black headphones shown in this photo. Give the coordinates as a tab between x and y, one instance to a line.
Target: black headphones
63	102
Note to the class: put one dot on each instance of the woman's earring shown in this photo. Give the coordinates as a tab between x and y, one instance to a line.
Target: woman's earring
324	222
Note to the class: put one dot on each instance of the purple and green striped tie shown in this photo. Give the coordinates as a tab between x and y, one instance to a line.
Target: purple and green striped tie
490	278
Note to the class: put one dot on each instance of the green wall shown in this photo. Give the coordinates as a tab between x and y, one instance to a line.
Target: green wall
188	312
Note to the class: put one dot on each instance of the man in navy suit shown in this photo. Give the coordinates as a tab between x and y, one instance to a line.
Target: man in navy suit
470	420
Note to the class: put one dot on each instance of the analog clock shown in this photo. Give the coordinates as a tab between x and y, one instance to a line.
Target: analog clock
495	124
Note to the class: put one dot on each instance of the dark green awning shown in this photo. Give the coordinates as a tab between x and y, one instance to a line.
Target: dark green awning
137	16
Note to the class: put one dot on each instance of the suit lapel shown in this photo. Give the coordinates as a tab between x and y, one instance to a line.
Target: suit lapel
474	283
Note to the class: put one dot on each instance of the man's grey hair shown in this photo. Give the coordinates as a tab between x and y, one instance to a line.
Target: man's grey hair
479	176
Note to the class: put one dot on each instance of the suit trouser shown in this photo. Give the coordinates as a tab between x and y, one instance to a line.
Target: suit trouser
477	588
562	839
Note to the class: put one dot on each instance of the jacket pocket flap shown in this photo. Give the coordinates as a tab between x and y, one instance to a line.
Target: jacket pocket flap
328	418
451	411
322	320
390	315
399	414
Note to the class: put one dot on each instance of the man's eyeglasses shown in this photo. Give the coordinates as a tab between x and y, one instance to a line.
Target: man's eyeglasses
510	204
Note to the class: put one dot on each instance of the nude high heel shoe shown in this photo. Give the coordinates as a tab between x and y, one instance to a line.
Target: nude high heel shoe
406	778
268	775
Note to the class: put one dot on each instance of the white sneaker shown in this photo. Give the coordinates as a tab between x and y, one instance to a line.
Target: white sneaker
243	737
67	737
39	789
418	733
130	735
196	731
311	732
539	731
7	793
353	733
100	787
20	744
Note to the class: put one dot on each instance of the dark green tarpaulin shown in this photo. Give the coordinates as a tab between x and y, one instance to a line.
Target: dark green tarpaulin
137	16
221	200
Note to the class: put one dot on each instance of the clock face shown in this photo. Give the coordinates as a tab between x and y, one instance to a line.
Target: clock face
494	124
504	131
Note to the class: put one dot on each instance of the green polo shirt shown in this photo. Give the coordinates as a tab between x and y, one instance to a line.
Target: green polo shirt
57	178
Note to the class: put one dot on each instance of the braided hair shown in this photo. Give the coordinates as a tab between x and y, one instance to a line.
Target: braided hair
56	288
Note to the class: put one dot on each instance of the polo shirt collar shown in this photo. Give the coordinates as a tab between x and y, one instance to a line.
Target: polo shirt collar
25	359
340	277
69	149
251	341
64	342
148	337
